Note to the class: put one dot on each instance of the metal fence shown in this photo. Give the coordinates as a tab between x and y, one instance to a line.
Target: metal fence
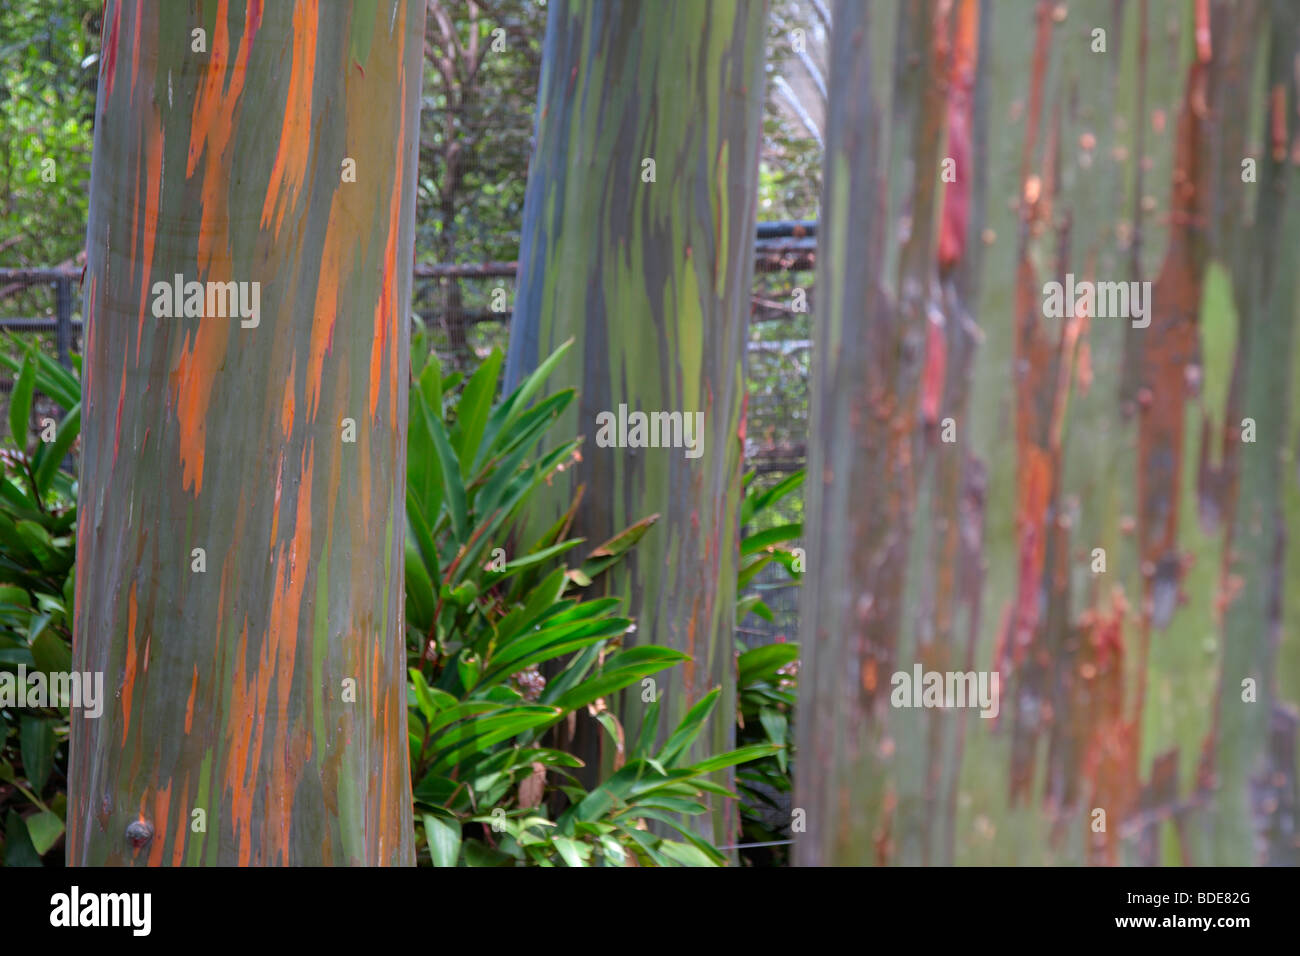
459	308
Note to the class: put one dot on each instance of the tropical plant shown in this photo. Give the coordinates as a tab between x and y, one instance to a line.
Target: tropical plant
37	552
765	675
486	609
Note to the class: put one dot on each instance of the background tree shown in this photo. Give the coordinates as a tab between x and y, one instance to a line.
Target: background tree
482	61
240	561
638	244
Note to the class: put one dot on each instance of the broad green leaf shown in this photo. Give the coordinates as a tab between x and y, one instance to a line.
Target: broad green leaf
518	400
44	828
19	850
685	854
20	402
732	758
37	744
444	840
689	728
472	412
50	456
762	663
568	850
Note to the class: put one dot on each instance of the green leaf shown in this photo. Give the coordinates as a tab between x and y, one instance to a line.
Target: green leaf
20	402
621	670
762	663
50	652
518	400
482	732
44	828
755	503
453	486
749	570
444	840
37	540
685	853
419	589
772	536
478	854
732	758
51	377
424	699
50	456
472	412
689	728
424	474
744	606
568	850
19	850
38	743
613	549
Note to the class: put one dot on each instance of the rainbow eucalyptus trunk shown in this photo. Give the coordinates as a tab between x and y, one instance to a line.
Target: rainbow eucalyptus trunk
1102	510
895	504
239	566
1255	735
637	238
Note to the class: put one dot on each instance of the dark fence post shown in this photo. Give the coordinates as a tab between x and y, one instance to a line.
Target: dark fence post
63	324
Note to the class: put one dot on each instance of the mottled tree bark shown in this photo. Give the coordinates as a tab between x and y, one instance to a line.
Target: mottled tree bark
1055	541
1252	779
652	277
260	679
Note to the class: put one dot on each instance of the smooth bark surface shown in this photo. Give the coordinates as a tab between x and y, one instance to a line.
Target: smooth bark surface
653	280
262	684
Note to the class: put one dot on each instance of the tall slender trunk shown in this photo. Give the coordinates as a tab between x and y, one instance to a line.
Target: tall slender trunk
638	223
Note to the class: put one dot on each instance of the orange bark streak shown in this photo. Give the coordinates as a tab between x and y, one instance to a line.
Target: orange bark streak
290	167
128	679
386	317
182	821
161	805
191	382
327	300
282	641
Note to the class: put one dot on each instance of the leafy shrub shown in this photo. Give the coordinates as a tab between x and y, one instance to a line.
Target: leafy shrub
765	679
479	627
37	550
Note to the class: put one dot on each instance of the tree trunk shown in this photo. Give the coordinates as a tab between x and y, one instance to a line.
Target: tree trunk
240	538
1100	514
652	277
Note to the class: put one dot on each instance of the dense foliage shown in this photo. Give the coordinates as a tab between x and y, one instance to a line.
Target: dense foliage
484	611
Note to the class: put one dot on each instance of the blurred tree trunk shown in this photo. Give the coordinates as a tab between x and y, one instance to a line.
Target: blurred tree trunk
240	540
882	389
637	235
1101	510
1255	743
